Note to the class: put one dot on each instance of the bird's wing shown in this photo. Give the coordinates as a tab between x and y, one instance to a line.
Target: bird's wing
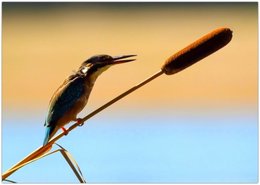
66	82
64	99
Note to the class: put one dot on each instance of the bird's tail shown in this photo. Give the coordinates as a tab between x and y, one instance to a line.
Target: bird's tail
48	134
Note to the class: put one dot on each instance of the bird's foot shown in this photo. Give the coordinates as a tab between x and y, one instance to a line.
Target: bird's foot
80	122
65	131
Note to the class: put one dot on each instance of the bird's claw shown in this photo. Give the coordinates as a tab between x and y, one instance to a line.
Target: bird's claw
80	122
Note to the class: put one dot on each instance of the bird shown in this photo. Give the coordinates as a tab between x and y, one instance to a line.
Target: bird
73	94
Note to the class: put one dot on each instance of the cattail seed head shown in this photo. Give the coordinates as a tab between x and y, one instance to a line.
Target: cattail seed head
198	50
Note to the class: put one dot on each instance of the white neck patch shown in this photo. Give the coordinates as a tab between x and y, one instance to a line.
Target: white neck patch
85	69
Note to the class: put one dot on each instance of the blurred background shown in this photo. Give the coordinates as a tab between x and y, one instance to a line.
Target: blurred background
198	126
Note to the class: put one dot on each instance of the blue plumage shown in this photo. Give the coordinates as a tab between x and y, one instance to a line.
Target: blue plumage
66	103
48	132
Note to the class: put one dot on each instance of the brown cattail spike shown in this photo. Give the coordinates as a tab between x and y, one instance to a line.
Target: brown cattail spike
198	50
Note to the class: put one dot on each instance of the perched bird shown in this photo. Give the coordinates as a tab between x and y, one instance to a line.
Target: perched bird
72	96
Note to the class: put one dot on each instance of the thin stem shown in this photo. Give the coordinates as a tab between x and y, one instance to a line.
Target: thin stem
43	149
122	95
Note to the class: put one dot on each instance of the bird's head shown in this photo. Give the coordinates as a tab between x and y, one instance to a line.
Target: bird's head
97	64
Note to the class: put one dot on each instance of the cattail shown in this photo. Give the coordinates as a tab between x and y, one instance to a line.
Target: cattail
198	50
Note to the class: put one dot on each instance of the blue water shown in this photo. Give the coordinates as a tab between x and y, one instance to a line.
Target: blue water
141	146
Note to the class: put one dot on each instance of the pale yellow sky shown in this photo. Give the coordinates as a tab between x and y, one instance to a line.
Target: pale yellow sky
42	45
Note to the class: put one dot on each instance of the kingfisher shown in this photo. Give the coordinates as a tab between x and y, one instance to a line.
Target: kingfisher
72	96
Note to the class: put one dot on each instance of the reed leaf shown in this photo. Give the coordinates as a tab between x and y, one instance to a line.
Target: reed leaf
7	180
72	163
68	157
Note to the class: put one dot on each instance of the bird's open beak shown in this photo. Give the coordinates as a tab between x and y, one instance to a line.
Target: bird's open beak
118	59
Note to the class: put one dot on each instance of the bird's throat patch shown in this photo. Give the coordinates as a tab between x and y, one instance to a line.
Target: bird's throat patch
99	71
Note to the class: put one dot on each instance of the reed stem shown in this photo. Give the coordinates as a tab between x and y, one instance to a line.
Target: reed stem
43	149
